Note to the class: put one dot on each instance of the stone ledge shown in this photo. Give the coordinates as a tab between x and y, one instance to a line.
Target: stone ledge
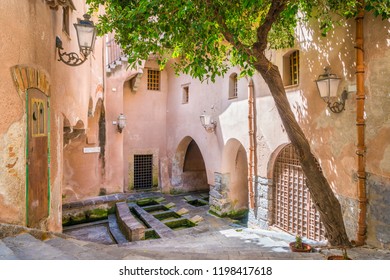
131	228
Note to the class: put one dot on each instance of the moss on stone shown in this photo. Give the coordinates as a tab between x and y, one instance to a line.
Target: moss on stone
233	214
146	201
96	214
179	224
237	214
175	192
151	234
111	210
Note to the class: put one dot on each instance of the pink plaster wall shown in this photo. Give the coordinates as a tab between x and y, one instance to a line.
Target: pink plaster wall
146	129
30	41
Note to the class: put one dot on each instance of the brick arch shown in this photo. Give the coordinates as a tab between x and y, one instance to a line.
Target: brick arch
26	77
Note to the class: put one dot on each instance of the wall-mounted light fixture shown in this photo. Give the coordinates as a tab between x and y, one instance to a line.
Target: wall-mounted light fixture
86	34
120	122
207	122
327	85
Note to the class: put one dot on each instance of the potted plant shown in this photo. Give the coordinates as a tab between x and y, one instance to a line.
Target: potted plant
299	246
338	257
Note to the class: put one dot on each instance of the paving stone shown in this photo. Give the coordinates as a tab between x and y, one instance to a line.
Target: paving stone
79	252
182	211
26	247
196	219
170	205
6	253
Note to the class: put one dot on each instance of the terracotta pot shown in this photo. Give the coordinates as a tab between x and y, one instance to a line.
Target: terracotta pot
306	248
336	257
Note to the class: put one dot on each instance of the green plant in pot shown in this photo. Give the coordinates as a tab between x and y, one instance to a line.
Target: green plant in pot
299	246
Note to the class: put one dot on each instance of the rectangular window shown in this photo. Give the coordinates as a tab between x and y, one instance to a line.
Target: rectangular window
294	67
153	79
185	94
291	68
65	19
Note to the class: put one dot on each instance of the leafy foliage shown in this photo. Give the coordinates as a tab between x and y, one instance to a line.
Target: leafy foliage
206	36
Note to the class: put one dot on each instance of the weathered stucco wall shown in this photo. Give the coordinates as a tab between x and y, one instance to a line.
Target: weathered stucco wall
377	56
145	131
29	43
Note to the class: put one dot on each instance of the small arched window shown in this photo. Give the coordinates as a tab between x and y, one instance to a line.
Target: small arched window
233	90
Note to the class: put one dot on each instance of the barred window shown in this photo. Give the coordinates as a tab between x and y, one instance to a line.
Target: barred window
291	68
153	79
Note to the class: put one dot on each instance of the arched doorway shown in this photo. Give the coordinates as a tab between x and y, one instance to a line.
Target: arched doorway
230	195
293	209
188	168
235	164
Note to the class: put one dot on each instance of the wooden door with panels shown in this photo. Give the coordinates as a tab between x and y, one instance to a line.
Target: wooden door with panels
37	157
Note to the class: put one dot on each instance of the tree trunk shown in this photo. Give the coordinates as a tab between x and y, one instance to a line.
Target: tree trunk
323	197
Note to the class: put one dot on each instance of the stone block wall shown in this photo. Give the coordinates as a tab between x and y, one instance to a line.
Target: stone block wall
261	216
378	208
219	202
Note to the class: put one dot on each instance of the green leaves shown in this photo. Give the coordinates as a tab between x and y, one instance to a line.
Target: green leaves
200	37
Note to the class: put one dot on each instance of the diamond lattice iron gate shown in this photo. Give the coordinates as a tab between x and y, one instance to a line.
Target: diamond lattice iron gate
294	210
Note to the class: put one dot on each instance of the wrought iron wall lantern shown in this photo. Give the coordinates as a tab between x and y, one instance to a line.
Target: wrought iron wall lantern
208	123
327	85
86	35
120	122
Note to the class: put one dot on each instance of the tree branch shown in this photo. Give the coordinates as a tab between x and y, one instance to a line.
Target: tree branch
277	7
225	30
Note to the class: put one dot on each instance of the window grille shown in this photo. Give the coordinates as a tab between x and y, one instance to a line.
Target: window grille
153	79
143	171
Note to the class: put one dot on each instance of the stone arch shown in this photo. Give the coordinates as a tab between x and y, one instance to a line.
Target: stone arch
188	167
235	167
291	208
29	77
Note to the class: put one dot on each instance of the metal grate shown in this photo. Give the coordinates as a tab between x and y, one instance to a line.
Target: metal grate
294	210
143	171
153	79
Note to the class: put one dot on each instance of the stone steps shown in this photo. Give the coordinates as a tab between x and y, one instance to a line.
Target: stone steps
27	247
6	253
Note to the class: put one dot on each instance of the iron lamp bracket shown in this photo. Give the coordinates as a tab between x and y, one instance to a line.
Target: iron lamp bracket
72	58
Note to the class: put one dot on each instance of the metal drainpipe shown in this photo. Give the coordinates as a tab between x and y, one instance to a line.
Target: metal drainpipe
251	143
360	125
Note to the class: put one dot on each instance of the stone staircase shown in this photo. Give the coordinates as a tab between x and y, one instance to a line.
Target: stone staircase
20	243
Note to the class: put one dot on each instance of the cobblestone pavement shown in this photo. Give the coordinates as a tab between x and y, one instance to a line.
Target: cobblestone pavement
224	238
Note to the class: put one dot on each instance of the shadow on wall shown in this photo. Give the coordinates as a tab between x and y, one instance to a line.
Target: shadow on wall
188	168
83	152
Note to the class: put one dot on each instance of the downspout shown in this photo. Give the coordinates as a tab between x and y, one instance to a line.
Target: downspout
360	125
251	143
